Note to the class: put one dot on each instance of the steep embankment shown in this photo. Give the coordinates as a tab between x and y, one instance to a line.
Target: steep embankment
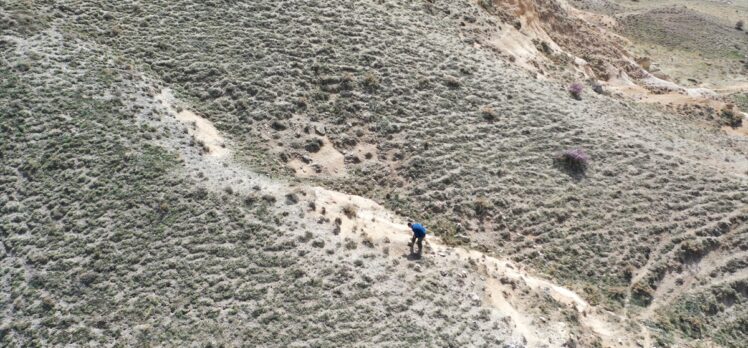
558	41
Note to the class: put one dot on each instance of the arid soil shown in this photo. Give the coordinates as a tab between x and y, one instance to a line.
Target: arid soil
241	172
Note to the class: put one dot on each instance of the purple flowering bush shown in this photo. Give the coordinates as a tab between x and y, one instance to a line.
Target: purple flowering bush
575	159
575	89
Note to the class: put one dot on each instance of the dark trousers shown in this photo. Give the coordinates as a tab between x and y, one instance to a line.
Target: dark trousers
420	243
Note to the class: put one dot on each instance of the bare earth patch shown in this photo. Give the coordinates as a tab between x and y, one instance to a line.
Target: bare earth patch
327	162
200	128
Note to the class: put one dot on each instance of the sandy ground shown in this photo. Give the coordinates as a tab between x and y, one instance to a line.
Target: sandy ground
327	162
200	128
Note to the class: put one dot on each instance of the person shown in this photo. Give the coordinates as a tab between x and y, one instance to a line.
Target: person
419	232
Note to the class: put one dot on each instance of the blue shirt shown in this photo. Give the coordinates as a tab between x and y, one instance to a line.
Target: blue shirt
418	230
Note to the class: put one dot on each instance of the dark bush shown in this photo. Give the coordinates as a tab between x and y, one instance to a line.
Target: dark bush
269	199
482	206
292	199
313	145
731	118
371	81
452	82
350	211
574	159
598	88
489	114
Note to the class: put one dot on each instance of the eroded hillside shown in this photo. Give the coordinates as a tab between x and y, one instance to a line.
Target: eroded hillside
132	211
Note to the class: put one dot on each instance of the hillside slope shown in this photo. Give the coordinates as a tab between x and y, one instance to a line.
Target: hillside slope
120	223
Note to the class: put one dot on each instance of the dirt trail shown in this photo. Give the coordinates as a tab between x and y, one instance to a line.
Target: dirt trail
368	221
200	128
381	227
674	285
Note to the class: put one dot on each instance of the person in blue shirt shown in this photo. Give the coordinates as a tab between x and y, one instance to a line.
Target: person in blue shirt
419	232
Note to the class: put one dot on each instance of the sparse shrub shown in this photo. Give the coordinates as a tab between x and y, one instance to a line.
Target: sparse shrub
598	88
484	315
692	250
37	280
489	114
543	46
423	83
306	237
269	199
214	92
250	200
371	81
350	211
452	82
313	145
23	66
575	159
278	125
575	89
201	144
641	294
481	206
730	117
358	263
368	242
30	167
47	303
201	193
292	199
628	272
445	229
88	278
350	244
347	80
739	25
297	273
486	5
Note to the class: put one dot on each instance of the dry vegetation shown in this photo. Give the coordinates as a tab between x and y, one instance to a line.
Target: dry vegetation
114	231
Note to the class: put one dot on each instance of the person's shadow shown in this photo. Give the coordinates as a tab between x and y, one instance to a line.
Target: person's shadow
575	172
413	255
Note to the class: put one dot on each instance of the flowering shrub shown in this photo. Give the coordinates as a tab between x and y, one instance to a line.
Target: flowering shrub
575	89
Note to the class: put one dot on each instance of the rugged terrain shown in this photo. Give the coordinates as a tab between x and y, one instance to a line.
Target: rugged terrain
694	43
240	173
